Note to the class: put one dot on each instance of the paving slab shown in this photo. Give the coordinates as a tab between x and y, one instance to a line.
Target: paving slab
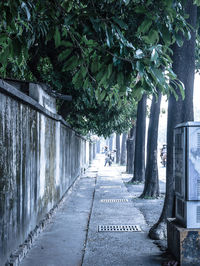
72	238
62	242
117	248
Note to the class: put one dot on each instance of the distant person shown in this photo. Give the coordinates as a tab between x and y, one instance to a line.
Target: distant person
163	155
108	159
106	150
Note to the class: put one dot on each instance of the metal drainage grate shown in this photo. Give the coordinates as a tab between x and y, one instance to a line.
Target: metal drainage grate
119	228
113	200
110	186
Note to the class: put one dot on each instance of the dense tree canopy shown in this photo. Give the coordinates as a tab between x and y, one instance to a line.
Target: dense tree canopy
100	52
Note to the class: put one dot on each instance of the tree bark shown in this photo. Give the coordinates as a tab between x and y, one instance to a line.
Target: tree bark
111	143
117	148
98	146
139	162
123	149
178	112
151	187
130	150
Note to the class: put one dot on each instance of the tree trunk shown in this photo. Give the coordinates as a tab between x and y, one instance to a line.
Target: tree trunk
123	149
139	162
107	142
117	148
130	151
151	187
98	146
178	112
111	143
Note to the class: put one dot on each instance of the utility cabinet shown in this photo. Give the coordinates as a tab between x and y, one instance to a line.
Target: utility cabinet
187	173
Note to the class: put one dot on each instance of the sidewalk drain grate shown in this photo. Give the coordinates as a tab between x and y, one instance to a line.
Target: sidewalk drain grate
110	186
119	228
113	200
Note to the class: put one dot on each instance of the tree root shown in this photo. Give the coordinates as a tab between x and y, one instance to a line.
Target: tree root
158	231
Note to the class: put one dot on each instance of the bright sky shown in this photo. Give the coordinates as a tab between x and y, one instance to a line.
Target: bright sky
196	98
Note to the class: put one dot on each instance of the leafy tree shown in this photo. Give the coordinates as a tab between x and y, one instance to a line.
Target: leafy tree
99	118
100	52
179	111
87	44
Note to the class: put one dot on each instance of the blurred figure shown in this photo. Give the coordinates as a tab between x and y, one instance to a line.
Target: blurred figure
163	155
108	159
106	150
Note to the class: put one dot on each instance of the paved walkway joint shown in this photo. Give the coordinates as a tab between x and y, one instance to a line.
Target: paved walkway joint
99	224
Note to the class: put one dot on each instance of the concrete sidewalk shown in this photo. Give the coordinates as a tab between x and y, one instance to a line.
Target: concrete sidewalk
72	238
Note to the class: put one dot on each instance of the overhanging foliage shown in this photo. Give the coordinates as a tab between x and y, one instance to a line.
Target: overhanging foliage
100	52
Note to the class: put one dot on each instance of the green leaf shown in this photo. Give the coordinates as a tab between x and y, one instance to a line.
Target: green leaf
72	63
154	55
76	76
83	71
178	84
95	24
111	102
100	75
197	2
97	93
145	26
102	81
4	57
140	9
57	37
179	40
140	68
62	56
158	75
91	43
109	36
95	65
153	36
168	3
3	37
120	79
24	5
182	89
102	96
121	23
126	2
86	83
166	35
188	35
66	44
109	71
77	80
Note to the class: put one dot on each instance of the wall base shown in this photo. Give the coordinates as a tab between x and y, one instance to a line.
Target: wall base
183	243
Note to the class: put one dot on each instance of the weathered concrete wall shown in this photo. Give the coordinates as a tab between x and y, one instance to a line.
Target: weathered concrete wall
40	157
